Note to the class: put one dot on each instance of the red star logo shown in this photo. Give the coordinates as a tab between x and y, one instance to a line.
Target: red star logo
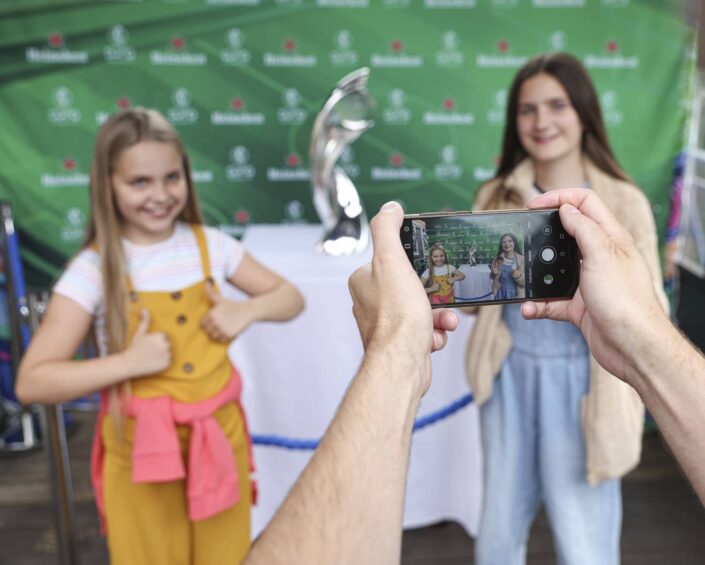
242	216
397	46
69	164
237	103
396	160
292	160
289	44
612	46
123	103
503	45
56	40
178	43
448	104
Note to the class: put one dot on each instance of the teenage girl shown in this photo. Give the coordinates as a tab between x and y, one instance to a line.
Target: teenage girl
557	429
171	458
507	269
438	279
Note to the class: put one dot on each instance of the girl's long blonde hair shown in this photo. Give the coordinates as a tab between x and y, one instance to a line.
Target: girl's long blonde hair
120	132
431	266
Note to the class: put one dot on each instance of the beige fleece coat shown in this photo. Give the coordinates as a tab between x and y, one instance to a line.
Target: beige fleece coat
612	413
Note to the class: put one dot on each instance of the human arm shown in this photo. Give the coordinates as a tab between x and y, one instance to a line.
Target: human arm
48	373
518	271
271	298
456	275
347	505
625	326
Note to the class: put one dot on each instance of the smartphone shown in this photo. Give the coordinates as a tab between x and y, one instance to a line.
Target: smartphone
468	258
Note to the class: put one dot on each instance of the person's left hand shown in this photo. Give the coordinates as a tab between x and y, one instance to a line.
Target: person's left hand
227	318
389	303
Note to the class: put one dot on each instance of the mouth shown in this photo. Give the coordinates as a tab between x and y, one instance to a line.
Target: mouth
544	139
158	213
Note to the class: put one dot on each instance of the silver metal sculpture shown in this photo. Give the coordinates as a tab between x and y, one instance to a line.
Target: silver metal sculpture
343	118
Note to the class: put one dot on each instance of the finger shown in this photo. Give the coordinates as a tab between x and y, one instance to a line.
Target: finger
592	239
213	294
555	310
385	228
440	338
143	326
444	319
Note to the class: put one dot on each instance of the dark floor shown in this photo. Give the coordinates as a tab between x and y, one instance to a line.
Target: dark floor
664	522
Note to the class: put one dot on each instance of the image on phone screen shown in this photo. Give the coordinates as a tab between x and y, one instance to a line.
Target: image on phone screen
465	258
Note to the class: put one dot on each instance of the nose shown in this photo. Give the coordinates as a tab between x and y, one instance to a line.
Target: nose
541	118
160	192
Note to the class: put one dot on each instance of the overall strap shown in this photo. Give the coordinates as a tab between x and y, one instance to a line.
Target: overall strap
203	249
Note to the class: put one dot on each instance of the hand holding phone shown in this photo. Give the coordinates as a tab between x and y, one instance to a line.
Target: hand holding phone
517	255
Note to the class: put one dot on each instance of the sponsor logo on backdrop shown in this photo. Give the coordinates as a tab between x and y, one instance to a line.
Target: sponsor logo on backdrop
293	172
202	176
290	57
289	2
482	173
396	112
450	116
342	3
56	53
610	108
122	103
496	112
62	111
343	54
556	41
240	169
450	55
397	58
502	59
74	225
234	52
238	115
396	170
615	3
445	4
241	218
397	3
294	211
558	3
182	113
70	175
612	60
504	3
118	50
178	55
292	113
233	2
347	163
448	168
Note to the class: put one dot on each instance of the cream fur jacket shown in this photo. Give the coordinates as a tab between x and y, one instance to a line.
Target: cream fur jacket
612	413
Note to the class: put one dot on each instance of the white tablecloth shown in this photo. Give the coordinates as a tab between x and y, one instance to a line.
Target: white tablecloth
477	282
295	375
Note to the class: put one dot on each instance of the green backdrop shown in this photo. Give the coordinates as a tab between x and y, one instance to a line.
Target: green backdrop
243	79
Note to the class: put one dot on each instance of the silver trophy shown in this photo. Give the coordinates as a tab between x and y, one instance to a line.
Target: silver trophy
343	118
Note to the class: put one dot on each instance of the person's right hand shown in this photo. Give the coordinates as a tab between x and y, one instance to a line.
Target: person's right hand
615	303
148	352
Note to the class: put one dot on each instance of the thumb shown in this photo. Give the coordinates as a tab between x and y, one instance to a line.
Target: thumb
143	326
591	238
212	292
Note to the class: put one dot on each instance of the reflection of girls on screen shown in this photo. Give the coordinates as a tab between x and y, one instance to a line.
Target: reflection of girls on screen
507	270
438	279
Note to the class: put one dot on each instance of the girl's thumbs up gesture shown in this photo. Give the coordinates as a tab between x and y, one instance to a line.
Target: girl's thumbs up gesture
227	319
148	352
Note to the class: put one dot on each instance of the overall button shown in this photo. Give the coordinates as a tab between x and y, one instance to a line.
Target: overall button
181	319
132	296
188	368
176	295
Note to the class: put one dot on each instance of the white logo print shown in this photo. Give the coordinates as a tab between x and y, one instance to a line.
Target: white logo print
294	211
495	114
557	40
396	112
448	169
118	50
240	169
612	115
450	55
182	112
235	53
62	112
343	54
291	113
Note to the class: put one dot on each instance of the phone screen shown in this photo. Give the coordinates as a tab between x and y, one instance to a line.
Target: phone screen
465	258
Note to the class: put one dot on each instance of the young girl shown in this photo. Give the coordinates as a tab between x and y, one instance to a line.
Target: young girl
507	269
556	428
171	460
438	279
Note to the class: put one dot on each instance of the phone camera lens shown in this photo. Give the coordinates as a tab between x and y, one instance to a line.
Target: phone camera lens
406	228
547	230
548	254
548	279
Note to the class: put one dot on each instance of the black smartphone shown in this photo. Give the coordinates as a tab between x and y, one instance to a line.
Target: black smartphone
467	258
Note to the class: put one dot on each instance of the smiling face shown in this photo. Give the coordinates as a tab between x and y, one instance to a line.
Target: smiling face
507	244
438	257
150	190
547	124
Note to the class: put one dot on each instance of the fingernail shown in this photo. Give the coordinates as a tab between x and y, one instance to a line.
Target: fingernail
390	204
437	340
571	209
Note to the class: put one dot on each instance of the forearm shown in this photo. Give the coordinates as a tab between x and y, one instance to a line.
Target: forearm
282	303
52	382
669	375
347	507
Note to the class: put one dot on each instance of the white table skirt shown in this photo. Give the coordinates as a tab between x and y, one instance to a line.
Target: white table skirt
296	373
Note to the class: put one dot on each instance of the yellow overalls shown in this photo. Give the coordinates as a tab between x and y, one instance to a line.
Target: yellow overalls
148	523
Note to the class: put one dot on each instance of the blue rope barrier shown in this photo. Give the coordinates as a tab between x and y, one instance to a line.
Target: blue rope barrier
311	444
457	298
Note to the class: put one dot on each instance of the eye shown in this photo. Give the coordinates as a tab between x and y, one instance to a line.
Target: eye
559	105
139	182
526	110
174	176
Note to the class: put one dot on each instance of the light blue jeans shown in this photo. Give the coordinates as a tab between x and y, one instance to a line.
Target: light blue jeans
534	452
